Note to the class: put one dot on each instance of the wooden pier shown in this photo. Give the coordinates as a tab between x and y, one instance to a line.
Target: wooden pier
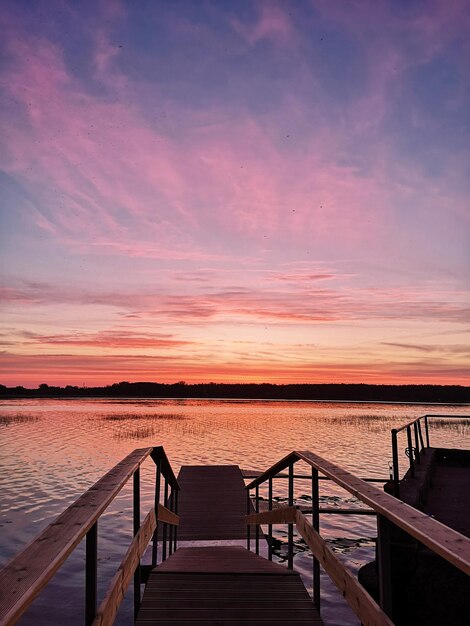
190	582
221	584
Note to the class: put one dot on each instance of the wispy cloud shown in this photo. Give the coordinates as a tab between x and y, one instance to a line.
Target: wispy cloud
301	303
116	339
283	167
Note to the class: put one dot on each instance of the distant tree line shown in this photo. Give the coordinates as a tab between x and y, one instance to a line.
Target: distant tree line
452	394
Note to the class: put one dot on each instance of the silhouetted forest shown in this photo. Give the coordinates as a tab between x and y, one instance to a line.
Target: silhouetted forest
452	394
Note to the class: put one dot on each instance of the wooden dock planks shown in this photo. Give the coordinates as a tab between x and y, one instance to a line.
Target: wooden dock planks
218	585
224	585
212	503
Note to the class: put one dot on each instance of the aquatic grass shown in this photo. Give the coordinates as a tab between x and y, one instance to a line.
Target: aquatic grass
121	417
8	420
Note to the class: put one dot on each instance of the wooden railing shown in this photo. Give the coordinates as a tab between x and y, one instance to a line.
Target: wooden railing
26	575
447	543
416	444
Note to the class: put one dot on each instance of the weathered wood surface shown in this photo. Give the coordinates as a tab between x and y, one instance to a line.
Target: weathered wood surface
363	605
220	559
167	516
256	591
115	595
359	600
121	580
212	503
448	543
279	515
27	573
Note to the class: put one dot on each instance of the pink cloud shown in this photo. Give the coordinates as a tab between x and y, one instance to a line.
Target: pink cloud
107	180
116	339
102	370
297	302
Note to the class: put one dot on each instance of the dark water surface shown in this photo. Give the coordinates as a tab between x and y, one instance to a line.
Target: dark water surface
53	450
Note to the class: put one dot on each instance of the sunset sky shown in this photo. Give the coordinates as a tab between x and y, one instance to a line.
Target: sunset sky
235	191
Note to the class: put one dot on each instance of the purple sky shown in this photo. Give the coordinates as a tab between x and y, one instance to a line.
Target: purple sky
235	191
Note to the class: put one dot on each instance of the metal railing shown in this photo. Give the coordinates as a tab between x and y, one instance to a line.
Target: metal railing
26	575
442	540
416	444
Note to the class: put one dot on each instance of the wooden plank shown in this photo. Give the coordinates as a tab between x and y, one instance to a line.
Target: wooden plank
212	503
280	515
109	607
448	543
27	573
192	587
219	559
167	516
364	606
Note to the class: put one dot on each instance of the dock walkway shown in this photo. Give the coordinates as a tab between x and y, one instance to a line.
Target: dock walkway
222	584
212	503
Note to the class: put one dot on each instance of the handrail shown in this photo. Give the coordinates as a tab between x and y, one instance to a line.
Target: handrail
430	415
27	573
364	606
108	609
158	454
414	452
448	543
444	541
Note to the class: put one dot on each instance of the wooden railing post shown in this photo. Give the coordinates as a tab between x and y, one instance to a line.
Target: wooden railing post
270	526
290	527
136	530
384	562
316	525
91	573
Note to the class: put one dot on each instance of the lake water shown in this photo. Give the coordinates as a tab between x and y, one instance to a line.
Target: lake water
53	450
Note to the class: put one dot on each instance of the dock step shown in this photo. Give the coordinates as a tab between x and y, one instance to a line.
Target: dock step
224	585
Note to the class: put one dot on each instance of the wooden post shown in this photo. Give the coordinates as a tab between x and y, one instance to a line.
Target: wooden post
384	562
270	526
290	527
136	530
91	573
316	526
